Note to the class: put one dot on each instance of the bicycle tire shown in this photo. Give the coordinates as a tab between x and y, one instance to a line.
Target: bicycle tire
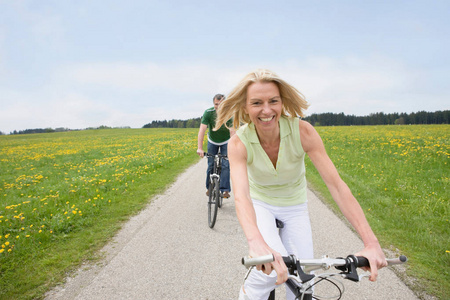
220	199
213	202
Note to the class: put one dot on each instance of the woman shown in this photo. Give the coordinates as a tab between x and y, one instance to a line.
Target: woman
268	175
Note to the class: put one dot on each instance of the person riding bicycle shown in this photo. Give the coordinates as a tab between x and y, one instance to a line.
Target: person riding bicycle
217	139
266	156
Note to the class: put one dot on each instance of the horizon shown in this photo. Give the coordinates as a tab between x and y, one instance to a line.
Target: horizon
62	128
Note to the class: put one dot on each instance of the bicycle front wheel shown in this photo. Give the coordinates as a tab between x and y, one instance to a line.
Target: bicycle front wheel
220	199
213	202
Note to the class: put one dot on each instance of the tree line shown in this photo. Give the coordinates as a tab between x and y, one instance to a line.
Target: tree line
60	129
337	119
190	123
421	117
322	119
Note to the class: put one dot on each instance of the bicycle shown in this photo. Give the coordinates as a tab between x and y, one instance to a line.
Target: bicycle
215	199
301	281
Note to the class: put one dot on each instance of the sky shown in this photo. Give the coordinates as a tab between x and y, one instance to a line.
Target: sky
87	63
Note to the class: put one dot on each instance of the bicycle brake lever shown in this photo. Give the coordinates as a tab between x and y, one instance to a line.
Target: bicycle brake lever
303	276
363	275
349	270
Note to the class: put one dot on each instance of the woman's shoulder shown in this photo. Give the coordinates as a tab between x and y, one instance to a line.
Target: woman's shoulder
305	126
308	134
243	131
237	147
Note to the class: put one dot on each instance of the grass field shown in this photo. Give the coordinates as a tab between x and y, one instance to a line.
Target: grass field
400	176
64	195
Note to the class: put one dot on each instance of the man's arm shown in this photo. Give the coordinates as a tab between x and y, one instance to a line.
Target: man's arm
200	138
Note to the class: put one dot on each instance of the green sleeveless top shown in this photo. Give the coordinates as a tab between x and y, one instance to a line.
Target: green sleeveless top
284	185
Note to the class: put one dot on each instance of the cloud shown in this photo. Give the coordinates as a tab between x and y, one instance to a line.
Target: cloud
134	94
352	85
182	78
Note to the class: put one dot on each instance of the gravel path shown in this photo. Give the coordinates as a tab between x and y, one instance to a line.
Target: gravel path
169	252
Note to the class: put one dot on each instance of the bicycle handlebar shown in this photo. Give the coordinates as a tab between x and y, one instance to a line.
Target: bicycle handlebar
300	283
260	260
212	155
324	262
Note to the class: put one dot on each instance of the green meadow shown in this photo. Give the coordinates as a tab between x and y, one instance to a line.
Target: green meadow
64	195
400	176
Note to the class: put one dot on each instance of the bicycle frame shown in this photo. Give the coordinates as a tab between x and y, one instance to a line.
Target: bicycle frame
217	165
215	195
217	168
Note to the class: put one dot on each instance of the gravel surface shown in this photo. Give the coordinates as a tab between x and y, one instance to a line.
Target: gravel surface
169	252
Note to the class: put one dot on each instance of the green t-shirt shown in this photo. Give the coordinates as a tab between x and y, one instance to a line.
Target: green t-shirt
284	185
220	136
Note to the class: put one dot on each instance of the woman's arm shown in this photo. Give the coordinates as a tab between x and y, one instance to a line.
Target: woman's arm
313	146
237	155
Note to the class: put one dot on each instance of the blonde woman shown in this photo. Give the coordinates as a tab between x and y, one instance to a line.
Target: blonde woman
268	176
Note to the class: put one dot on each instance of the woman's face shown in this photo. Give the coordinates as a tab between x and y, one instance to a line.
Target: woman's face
263	105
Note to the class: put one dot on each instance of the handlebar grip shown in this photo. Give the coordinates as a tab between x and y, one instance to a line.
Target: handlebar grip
362	262
253	261
396	261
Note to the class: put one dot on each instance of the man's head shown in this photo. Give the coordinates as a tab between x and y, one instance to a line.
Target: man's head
217	99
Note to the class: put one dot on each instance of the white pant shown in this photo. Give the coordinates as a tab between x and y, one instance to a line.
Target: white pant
295	238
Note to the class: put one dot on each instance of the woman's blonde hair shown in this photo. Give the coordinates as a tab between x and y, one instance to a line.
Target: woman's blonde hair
294	102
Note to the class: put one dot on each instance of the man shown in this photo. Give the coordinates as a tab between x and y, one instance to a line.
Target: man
216	140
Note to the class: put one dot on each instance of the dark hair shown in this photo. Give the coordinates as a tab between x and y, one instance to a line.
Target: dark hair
219	97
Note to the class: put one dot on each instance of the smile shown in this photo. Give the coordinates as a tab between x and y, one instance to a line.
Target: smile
266	119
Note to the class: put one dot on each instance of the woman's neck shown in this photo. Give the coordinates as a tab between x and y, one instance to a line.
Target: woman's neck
267	137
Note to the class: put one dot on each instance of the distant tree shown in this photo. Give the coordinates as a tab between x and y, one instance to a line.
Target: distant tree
400	121
190	123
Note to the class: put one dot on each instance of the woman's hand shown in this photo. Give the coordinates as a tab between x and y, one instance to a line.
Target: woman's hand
376	259
257	249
